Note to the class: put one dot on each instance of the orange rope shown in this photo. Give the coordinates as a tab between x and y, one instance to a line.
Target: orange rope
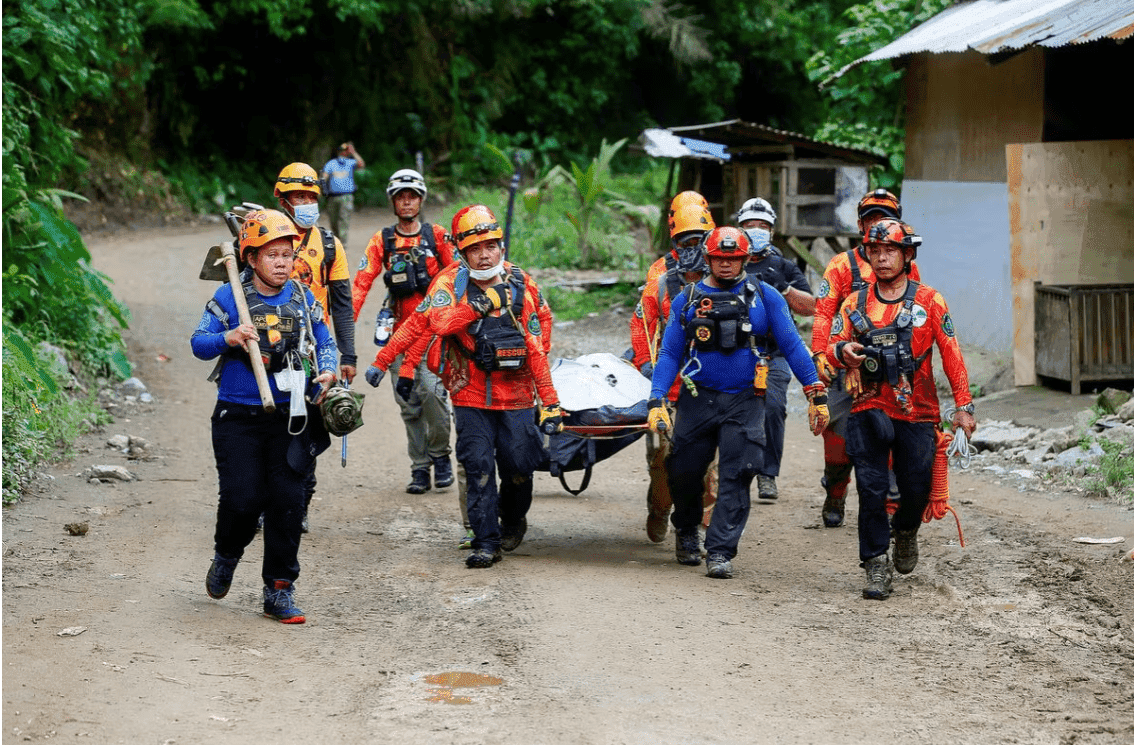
939	491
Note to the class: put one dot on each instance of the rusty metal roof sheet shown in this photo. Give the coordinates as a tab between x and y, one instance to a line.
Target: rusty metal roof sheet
992	26
735	133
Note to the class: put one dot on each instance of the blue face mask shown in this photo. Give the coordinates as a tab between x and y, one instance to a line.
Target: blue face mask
306	215
758	239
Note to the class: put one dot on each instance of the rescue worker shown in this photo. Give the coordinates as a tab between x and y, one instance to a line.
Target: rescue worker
409	255
321	265
757	219
847	272
884	334
490	319
261	465
715	339
688	225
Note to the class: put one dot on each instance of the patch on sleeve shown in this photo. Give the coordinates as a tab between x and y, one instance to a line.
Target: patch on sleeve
947	325
837	325
638	311
423	305
533	325
362	264
441	298
824	289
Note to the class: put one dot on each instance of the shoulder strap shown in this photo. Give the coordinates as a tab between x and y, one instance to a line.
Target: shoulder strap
387	243
428	240
328	253
690	292
857	282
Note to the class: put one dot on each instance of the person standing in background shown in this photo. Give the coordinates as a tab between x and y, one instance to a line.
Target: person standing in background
338	175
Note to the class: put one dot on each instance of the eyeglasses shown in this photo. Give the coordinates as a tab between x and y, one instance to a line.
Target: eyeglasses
690	241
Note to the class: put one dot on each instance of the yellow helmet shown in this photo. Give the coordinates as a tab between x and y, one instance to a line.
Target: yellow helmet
474	224
297	177
690	217
686	198
264	226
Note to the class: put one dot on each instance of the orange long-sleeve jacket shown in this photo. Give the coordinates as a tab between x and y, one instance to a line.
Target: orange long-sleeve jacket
651	315
931	324
449	316
374	263
835	288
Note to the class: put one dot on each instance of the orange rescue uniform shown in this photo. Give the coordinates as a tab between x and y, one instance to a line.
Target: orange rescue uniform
374	263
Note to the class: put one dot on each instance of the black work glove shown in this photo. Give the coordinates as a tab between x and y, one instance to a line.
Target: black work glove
404	388
494	298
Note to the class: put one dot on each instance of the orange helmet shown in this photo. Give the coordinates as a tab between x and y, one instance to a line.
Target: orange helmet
264	226
881	202
727	243
297	177
474	224
690	217
896	232
686	198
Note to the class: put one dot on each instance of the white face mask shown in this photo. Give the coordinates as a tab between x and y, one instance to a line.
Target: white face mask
490	273
758	238
306	215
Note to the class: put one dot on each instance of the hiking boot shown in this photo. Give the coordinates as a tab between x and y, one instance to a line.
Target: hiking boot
879	578
833	508
688	547
766	487
420	482
511	536
466	542
279	603
442	472
718	567
483	558
657	525
219	578
905	550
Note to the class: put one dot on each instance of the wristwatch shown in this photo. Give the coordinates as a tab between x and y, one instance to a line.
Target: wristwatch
968	408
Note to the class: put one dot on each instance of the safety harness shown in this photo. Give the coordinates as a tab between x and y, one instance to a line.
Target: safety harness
408	272
720	321
857	282
498	340
888	350
329	252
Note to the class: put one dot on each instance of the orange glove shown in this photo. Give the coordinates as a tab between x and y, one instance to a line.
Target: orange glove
818	415
659	420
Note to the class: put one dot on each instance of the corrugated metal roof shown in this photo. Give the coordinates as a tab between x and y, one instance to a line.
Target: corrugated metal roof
991	26
737	133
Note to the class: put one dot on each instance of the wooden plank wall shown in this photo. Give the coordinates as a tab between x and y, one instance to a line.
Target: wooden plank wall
961	112
1071	212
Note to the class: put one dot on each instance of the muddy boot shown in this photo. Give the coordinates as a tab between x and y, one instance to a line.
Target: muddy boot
219	578
442	472
879	578
836	478
511	536
483	558
766	487
688	547
718	567
657	525
905	550
420	482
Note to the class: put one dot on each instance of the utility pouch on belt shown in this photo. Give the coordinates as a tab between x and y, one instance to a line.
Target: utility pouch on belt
500	348
720	323
406	276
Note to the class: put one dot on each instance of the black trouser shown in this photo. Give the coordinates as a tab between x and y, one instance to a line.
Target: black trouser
711	420
251	448
487	439
775	415
871	436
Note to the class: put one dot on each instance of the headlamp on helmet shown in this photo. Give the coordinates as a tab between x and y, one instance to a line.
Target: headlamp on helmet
406	178
726	243
475	224
297	177
894	232
756	209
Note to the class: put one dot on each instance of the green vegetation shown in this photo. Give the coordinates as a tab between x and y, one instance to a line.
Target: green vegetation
1115	470
570	306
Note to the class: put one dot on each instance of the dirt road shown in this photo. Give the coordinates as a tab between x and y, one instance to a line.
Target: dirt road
589	633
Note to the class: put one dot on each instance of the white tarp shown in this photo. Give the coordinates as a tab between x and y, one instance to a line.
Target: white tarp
595	380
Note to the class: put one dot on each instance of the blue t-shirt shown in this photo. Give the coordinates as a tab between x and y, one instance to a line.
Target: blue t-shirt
340	176
733	372
237	383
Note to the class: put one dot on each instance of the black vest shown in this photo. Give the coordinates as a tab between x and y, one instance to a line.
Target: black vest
888	350
408	272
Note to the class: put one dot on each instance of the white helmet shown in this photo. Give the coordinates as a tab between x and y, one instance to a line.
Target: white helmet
756	209
406	178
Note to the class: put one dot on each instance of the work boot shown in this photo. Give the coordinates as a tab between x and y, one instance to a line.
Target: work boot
688	547
833	508
836	478
879	578
657	525
442	472
466	542
718	567
511	536
420	483
279	602
766	487
905	550
219	578
304	525
483	558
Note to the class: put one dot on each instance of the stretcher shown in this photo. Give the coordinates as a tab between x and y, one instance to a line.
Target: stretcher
604	399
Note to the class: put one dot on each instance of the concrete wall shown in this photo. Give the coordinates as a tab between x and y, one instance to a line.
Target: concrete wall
965	254
961	111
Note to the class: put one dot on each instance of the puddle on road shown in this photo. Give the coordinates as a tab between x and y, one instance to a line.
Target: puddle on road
448	682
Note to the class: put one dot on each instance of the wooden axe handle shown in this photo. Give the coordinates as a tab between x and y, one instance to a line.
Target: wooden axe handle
229	254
